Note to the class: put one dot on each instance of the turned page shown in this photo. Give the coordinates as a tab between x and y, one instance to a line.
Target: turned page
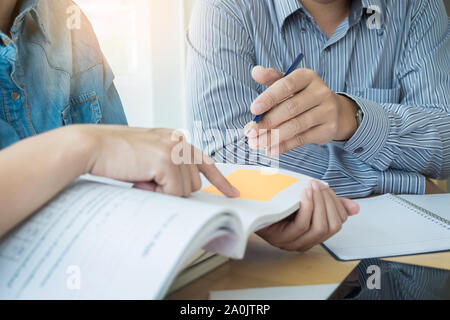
267	194
100	241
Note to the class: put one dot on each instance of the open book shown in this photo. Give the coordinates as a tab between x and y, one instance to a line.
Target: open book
205	263
392	225
100	241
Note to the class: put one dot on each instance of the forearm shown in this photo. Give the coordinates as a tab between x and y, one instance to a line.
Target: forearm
34	170
407	127
394	136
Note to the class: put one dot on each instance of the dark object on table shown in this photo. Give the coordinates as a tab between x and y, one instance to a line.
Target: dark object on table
375	279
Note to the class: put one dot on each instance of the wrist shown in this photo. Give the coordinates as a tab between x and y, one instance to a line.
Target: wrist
83	145
348	123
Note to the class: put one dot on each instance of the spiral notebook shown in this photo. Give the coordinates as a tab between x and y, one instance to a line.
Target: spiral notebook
392	225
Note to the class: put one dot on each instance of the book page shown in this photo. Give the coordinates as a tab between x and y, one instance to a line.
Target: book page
267	195
255	185
98	241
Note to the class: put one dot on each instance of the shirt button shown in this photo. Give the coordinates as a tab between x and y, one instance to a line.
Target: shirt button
303	30
15	95
359	150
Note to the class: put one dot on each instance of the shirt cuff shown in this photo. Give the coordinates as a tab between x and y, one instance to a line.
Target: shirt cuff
373	132
400	182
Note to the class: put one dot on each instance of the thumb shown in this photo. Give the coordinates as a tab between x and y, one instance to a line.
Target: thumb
266	76
351	206
147	186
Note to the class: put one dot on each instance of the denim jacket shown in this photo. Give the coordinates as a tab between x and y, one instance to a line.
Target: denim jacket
53	73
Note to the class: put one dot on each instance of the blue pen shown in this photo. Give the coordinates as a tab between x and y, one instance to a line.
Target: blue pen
291	69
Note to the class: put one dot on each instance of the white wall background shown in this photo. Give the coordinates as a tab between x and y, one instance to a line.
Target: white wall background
144	41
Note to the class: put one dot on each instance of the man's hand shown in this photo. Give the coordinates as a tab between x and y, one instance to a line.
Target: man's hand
154	159
321	215
302	108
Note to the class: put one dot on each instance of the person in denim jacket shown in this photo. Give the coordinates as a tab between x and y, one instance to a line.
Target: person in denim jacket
52	72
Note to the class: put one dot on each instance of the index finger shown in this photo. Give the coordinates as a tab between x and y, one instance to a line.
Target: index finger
214	176
281	90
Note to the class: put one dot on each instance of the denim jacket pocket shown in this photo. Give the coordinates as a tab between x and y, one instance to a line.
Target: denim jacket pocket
376	95
83	109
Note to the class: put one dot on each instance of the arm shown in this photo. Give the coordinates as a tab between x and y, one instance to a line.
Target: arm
414	134
34	170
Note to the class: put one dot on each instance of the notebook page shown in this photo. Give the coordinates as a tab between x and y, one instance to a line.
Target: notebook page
386	228
436	203
99	241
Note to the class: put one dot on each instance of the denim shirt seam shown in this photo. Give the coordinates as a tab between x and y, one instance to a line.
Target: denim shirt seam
71	75
5	101
90	67
27	107
90	98
47	59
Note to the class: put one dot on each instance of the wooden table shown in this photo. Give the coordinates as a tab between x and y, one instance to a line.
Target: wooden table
267	266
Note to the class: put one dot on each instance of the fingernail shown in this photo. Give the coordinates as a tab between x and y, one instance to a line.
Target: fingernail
323	186
235	192
355	207
309	193
258	108
252	133
250	129
315	186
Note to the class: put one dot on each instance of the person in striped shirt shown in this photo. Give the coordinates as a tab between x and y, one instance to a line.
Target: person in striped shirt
368	110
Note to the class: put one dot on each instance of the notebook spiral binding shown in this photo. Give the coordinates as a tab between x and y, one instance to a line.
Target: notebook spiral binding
421	211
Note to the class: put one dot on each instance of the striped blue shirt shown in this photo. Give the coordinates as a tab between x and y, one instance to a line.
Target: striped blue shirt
390	56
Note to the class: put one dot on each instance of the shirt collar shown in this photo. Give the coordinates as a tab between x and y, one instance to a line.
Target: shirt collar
285	8
30	7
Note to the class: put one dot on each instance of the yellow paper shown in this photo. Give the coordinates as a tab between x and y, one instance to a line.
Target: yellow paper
256	185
